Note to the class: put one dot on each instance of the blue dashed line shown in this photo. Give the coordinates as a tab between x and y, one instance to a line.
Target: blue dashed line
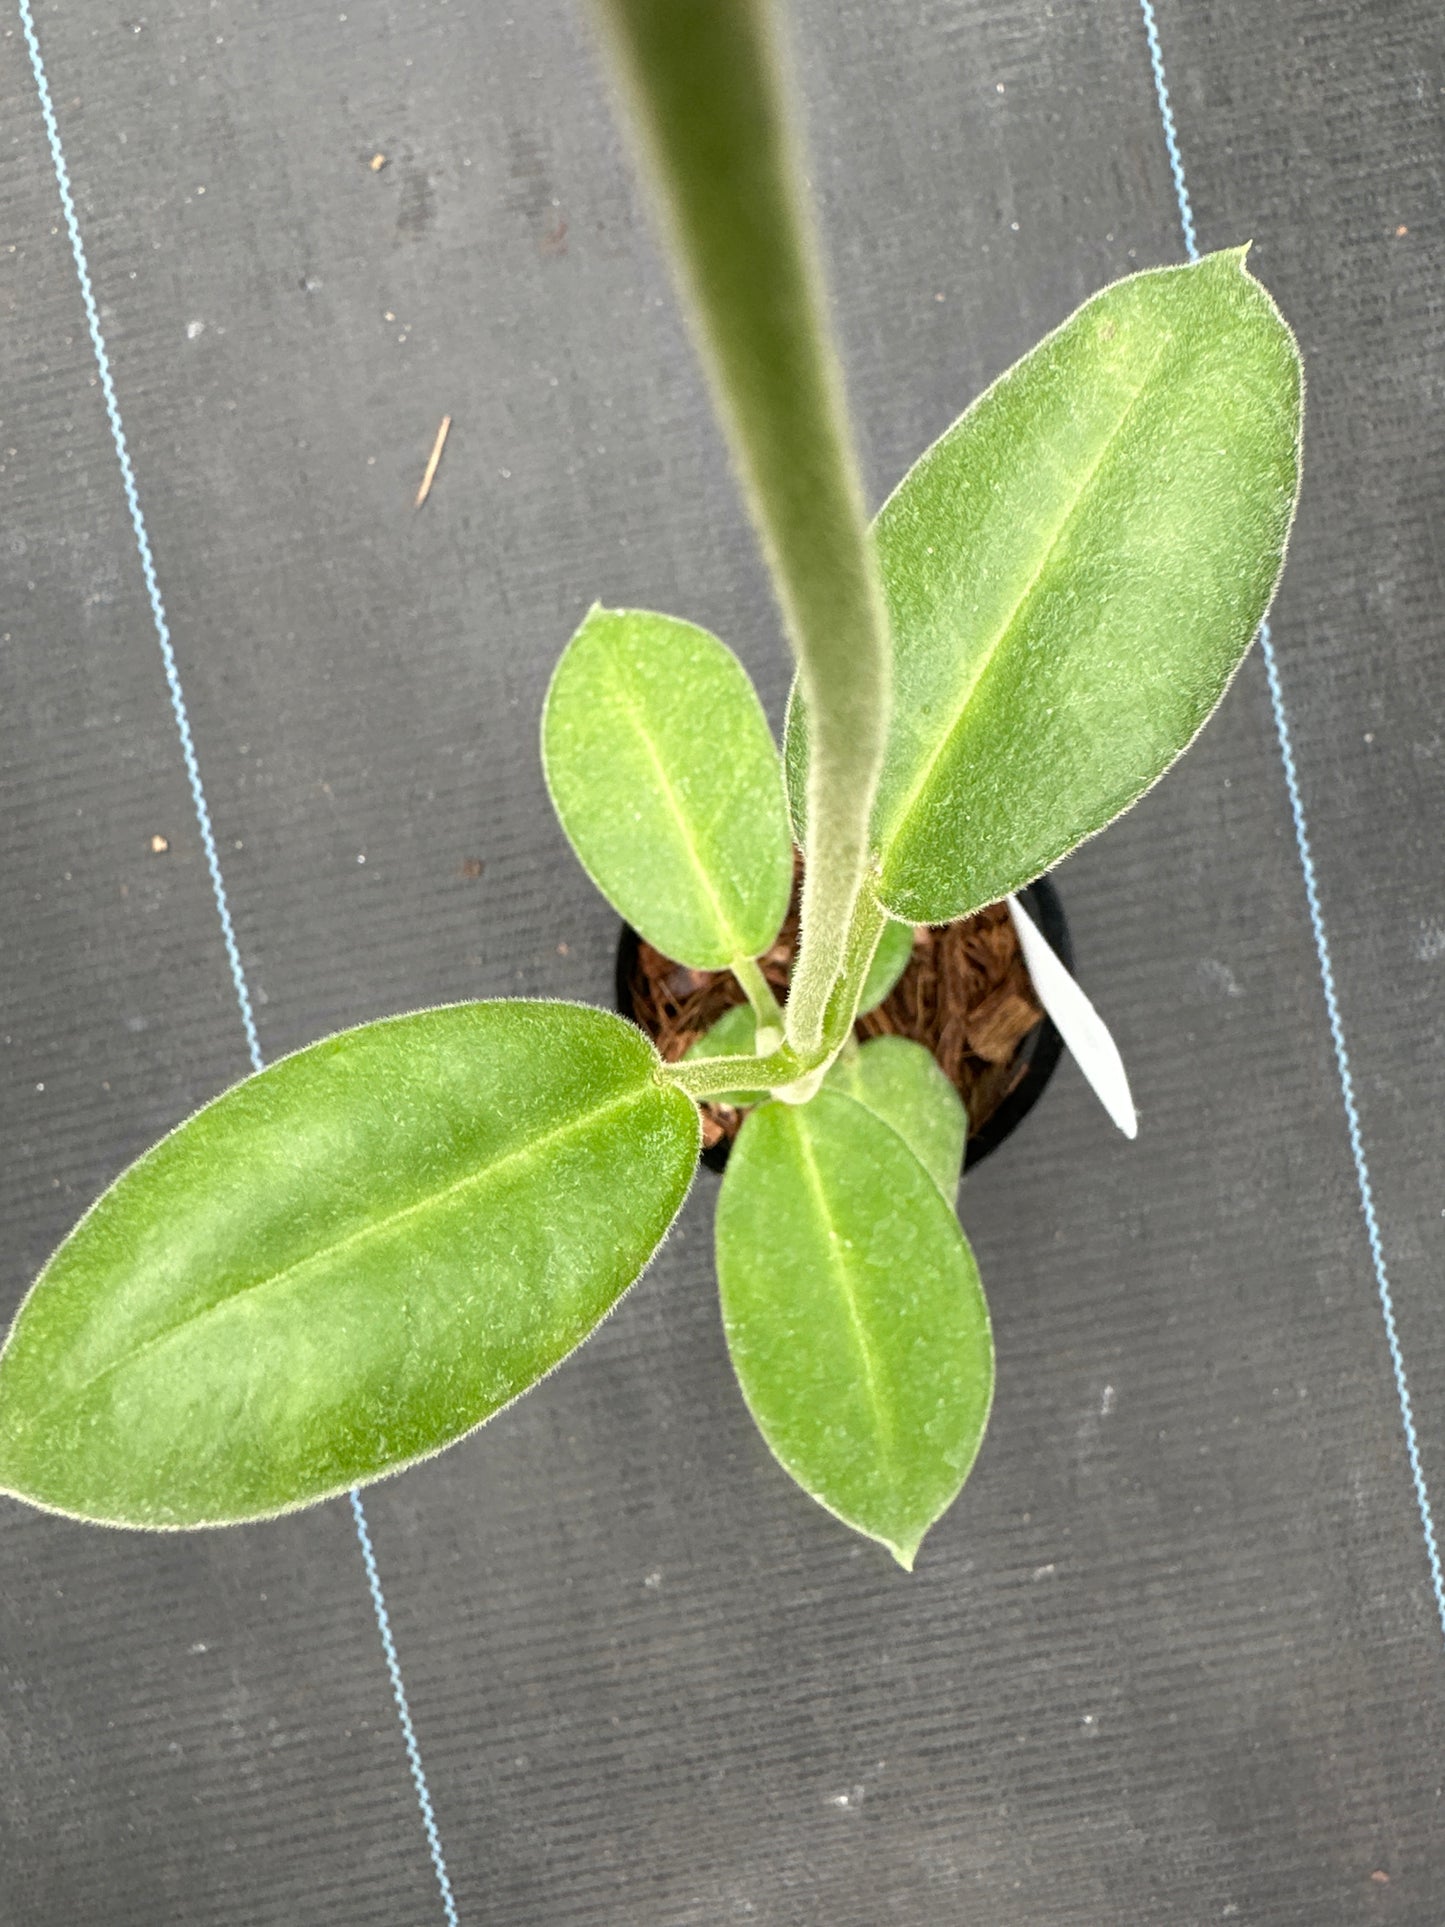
1317	922
213	862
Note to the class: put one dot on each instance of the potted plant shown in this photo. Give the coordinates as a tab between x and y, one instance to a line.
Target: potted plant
357	1255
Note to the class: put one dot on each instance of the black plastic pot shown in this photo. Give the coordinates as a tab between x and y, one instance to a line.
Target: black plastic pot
1043	1046
1040	1050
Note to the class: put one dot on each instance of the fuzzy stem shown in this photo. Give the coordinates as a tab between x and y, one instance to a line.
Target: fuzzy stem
704	82
861	940
703	1077
804	1090
765	1005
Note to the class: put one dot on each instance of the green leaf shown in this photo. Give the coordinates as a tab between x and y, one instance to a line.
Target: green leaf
890	960
854	1315
343	1264
733	1035
666	779
1073	573
903	1083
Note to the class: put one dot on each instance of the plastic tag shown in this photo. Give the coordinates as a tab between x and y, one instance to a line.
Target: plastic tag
1079	1024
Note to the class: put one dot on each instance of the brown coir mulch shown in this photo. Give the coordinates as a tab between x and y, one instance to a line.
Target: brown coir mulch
966	995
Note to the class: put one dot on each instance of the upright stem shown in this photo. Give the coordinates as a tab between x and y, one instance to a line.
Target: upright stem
704	82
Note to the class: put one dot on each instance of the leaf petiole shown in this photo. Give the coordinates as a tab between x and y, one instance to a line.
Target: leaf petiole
704	1077
765	1005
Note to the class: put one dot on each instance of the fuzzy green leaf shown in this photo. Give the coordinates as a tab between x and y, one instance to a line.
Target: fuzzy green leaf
854	1315
665	777
903	1083
890	960
343	1264
1073	573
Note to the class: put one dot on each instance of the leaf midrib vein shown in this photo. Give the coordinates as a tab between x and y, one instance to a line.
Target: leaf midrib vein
986	658
377	1228
850	1300
637	717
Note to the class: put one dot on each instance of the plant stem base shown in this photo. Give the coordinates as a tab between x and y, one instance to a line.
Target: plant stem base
966	995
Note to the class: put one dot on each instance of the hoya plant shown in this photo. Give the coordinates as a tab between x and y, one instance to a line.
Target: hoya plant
353	1258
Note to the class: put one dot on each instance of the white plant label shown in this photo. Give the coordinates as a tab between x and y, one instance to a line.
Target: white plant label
1079	1024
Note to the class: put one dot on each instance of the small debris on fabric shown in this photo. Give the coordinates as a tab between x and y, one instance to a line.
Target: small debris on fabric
378	161
1401	232
433	461
470	867
564	950
1380	1877
159	844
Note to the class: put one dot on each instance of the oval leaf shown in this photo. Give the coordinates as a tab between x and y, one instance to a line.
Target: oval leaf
664	775
902	1082
1074	572
854	1315
343	1264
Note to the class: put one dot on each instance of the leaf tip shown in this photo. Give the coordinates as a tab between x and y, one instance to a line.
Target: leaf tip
1224	260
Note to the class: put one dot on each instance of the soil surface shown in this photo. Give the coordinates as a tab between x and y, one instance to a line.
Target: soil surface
966	995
